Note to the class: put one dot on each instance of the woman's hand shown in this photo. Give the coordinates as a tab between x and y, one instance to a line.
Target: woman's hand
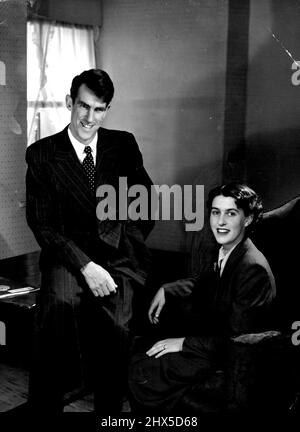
165	346
156	306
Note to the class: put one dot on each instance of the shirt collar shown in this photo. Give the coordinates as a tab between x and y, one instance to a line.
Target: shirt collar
79	147
223	257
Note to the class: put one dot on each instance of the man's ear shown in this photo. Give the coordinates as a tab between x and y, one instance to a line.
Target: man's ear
106	111
248	220
69	102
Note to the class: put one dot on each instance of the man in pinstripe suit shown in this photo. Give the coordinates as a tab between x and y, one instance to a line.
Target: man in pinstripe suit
90	269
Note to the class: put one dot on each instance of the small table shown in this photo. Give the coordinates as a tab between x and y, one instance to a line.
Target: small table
17	318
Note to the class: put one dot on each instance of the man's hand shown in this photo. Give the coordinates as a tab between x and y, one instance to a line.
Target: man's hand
165	346
98	279
156	306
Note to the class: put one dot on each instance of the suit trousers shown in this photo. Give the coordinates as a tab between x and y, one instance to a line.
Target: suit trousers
80	340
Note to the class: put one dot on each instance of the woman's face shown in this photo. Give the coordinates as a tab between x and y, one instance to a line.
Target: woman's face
227	221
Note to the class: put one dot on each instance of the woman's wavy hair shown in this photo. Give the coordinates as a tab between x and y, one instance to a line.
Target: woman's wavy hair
245	198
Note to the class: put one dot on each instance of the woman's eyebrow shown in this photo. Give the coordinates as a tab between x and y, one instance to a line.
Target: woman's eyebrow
226	209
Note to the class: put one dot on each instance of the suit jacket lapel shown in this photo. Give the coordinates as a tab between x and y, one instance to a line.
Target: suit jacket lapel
107	173
71	173
101	145
101	150
107	160
233	259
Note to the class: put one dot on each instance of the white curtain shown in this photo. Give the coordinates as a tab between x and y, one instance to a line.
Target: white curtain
55	54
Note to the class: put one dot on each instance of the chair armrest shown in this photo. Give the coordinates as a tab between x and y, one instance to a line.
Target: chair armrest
256	338
250	369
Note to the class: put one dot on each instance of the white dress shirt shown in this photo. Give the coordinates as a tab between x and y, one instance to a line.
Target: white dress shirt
79	147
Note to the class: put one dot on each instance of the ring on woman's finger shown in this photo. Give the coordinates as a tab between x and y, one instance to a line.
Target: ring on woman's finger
156	315
164	347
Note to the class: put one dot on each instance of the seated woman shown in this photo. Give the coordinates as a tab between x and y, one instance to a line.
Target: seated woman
234	296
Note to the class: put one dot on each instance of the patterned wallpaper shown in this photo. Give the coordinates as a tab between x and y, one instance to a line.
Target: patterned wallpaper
15	236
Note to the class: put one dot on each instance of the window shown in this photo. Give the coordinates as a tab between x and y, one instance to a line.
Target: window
55	54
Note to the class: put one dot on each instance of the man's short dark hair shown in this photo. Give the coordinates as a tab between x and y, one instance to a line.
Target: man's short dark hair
245	198
96	80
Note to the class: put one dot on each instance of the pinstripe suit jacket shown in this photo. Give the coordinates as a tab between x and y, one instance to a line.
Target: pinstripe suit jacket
61	208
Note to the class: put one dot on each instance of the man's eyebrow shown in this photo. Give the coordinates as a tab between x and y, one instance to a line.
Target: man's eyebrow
82	102
101	108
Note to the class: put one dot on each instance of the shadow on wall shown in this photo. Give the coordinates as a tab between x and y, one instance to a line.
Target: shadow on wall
273	161
198	155
193	155
5	250
273	106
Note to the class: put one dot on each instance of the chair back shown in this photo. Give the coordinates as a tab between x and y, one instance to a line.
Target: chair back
277	237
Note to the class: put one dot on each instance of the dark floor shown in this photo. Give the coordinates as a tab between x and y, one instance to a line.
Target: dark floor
13	385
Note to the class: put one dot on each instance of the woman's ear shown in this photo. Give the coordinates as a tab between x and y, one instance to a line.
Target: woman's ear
248	220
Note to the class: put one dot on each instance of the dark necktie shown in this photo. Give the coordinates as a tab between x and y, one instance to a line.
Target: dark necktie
89	167
219	266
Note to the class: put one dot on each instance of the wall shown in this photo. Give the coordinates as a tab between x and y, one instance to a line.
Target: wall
84	12
15	236
273	106
167	60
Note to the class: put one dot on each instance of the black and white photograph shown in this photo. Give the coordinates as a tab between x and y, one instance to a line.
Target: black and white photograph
150	213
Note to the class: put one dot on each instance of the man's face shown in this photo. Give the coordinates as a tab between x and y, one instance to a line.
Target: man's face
227	221
87	114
